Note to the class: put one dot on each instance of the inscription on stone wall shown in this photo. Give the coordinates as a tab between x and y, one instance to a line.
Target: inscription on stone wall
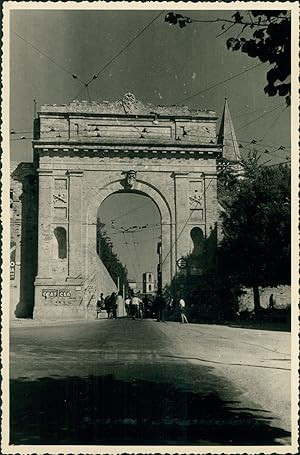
12	259
50	293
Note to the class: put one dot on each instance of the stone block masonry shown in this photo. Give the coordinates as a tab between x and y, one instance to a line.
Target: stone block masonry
282	298
23	238
83	153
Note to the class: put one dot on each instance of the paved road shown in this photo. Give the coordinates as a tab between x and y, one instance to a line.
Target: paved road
142	382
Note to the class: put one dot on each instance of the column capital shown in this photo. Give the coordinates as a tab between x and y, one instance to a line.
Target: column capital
41	171
74	173
210	175
179	174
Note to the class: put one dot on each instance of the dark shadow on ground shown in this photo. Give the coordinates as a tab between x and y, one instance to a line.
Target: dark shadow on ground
104	410
276	319
276	327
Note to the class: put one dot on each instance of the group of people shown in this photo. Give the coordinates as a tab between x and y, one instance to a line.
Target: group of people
112	304
174	304
115	306
136	307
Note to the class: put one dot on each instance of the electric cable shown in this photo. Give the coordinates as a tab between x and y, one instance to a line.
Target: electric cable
126	213
272	124
81	136
188	219
265	110
263	115
255	110
134	265
97	74
74	76
249	143
219	83
136	253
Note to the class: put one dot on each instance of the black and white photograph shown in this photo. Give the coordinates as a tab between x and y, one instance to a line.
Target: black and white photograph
150	229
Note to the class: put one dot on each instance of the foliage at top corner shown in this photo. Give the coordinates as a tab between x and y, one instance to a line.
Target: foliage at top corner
270	42
265	34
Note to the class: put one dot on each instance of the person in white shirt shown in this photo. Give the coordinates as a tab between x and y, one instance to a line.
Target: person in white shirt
135	301
182	311
127	306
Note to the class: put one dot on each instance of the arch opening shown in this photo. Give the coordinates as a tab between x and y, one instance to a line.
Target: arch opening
128	232
198	241
60	235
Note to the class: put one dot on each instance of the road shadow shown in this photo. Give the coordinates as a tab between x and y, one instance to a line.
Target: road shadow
270	326
106	410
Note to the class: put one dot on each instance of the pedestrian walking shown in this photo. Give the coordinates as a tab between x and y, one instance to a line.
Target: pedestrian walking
114	305
271	302
184	319
107	306
135	301
99	305
108	302
141	309
128	306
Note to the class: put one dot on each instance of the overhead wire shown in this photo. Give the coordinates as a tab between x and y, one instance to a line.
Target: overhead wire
74	76
119	53
186	222
267	131
134	265
265	110
103	68
258	118
256	144
15	131
247	147
126	213
148	228
81	136
114	58
220	83
255	110
135	250
95	76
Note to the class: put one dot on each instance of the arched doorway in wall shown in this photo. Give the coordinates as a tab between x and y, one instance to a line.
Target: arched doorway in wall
130	222
197	237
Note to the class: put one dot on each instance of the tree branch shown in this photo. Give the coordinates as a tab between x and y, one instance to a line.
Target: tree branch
230	26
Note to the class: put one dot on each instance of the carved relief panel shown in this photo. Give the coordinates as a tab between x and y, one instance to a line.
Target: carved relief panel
60	198
196	199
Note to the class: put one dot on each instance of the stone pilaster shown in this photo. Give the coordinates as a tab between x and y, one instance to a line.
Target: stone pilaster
181	187
167	254
75	223
211	202
44	224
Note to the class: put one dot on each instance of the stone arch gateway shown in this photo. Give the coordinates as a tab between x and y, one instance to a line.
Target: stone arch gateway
83	153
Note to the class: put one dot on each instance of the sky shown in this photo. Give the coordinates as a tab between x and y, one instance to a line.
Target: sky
164	65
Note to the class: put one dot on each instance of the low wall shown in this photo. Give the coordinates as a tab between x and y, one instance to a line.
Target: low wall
281	295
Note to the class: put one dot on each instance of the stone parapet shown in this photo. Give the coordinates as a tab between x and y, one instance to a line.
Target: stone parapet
128	105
